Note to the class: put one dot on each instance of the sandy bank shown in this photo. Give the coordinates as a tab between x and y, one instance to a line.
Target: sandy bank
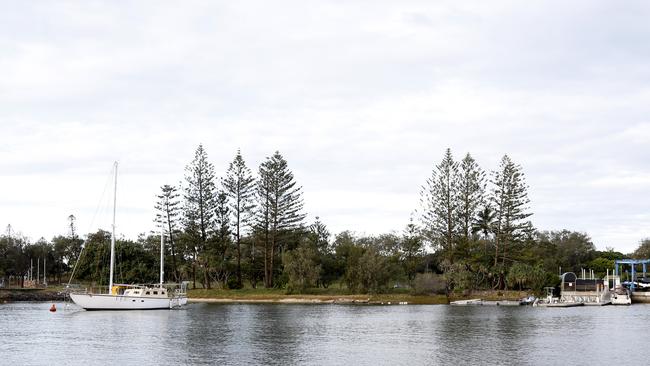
287	300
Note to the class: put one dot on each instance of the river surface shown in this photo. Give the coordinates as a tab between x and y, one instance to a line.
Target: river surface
269	334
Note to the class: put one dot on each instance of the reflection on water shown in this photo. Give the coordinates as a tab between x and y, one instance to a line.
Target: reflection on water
322	334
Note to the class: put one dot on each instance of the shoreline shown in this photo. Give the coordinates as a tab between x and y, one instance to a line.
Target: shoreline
225	297
288	300
278	297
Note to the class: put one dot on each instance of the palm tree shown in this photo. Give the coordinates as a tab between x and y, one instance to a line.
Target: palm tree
484	222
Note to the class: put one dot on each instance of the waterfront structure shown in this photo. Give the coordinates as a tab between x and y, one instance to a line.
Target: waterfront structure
583	290
638	286
593	291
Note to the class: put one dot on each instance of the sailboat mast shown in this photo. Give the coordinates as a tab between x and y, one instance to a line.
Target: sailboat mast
162	252
110	282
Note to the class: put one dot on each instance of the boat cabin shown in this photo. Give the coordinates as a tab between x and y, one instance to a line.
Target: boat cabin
139	291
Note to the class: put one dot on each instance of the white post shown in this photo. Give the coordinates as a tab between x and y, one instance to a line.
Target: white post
110	280
38	270
162	252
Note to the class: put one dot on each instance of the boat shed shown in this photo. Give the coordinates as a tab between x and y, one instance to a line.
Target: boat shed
582	290
571	282
632	263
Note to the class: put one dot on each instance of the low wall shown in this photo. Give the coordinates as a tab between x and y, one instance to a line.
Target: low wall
29	295
641	297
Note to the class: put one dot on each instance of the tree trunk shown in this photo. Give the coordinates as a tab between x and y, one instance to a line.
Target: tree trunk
496	249
253	274
266	262
171	244
194	274
239	277
206	274
271	263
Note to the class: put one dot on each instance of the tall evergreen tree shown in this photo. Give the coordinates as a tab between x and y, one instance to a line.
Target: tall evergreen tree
509	198
412	249
440	205
280	207
239	185
471	189
221	242
168	212
75	243
319	236
199	208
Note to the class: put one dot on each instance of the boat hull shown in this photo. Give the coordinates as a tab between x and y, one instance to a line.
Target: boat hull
119	302
562	304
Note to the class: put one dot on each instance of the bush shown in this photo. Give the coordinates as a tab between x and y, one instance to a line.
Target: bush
526	276
429	284
368	271
300	271
233	284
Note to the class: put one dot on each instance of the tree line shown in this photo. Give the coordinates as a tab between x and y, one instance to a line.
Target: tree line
471	231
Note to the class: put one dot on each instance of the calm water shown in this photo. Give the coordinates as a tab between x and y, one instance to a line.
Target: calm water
324	334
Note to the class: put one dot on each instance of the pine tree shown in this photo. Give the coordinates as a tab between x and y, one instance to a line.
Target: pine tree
412	249
200	208
279	208
75	243
509	198
167	216
440	205
239	185
471	189
319	236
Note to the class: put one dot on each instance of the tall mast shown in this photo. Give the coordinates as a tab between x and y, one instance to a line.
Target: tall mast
110	282
162	252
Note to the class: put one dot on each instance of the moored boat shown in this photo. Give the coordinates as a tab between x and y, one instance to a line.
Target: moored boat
131	297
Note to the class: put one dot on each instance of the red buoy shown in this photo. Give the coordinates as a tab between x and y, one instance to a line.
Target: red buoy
53	308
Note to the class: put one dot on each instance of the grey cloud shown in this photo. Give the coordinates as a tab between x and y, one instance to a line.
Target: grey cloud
361	97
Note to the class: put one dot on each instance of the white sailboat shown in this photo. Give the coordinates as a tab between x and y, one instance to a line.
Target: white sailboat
131	297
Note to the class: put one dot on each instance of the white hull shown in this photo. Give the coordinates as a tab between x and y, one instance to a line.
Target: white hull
120	302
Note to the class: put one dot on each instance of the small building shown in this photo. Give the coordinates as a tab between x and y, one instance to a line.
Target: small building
583	290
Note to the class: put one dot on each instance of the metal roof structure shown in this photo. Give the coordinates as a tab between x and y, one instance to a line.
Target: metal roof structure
632	263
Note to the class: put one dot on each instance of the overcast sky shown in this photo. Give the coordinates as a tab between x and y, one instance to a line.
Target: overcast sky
361	97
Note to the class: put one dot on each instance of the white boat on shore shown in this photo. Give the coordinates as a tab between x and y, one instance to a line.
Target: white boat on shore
131	297
467	302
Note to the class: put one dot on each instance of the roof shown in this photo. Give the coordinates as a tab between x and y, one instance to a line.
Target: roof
631	261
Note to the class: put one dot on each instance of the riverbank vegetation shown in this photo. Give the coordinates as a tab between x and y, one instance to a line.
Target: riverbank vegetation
244	233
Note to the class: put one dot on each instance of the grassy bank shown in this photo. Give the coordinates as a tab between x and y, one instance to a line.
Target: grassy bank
333	295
